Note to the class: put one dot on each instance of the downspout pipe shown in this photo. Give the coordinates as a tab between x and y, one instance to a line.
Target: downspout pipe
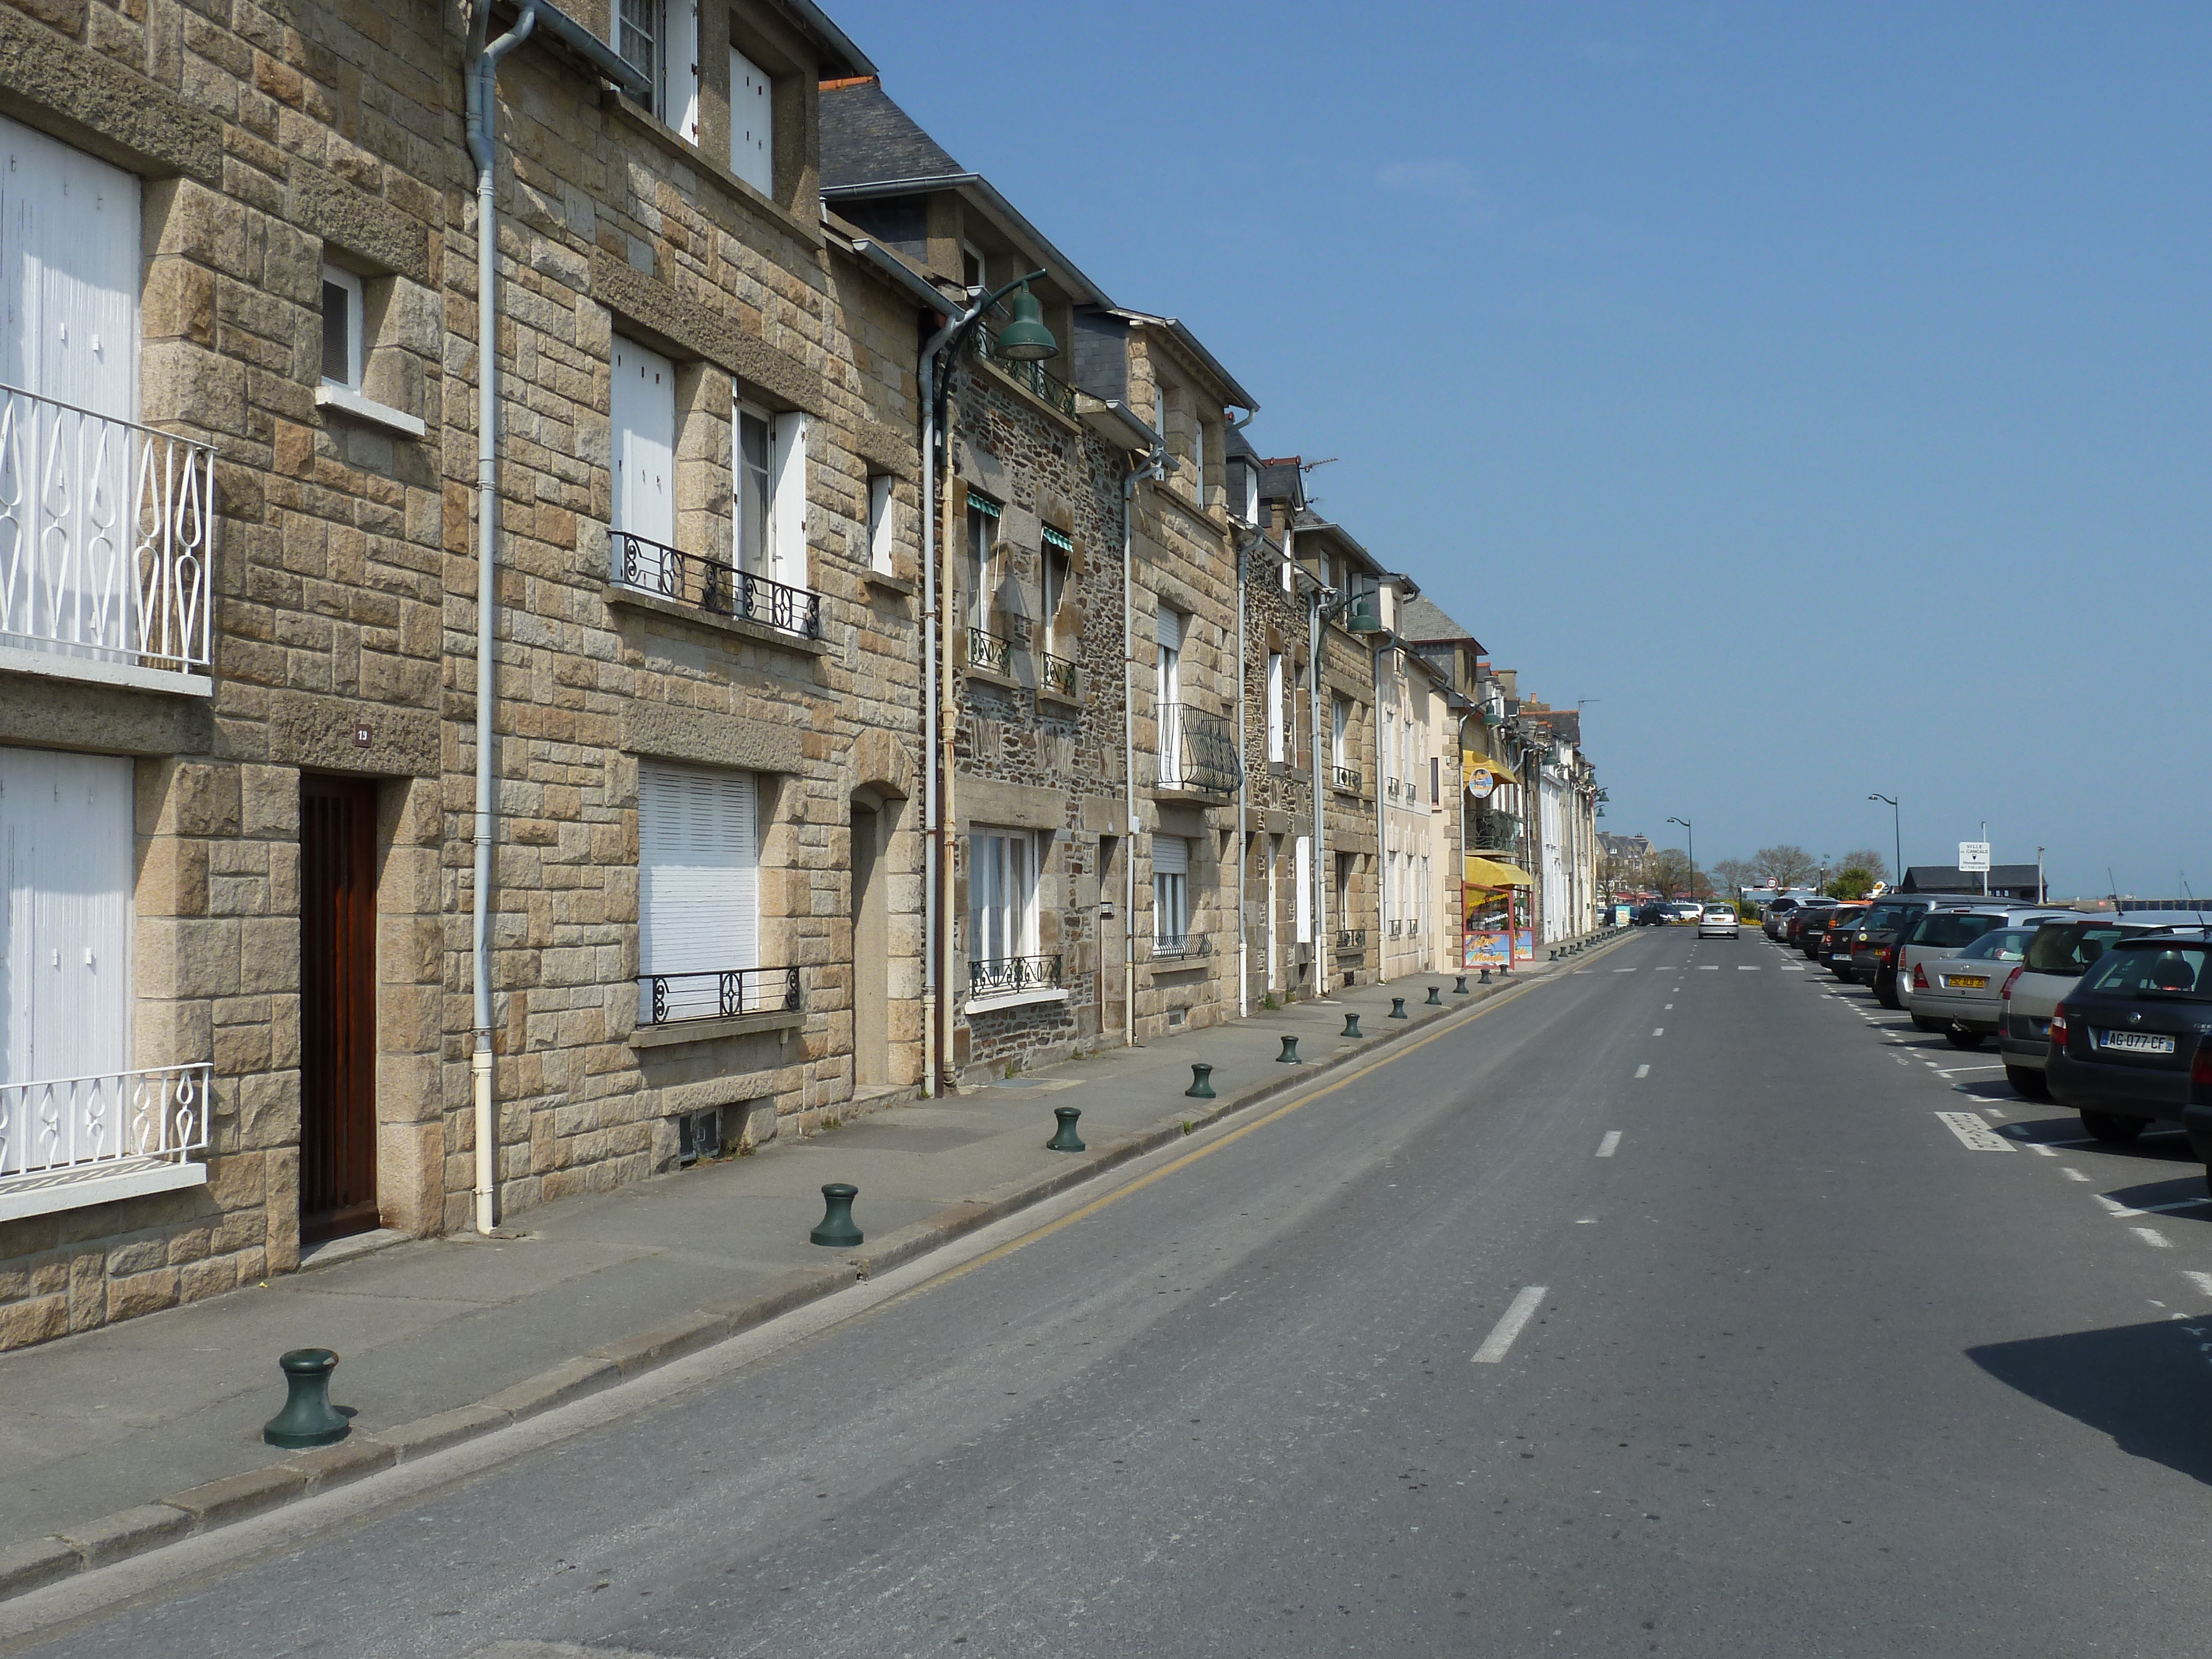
1244	785
1152	466
483	95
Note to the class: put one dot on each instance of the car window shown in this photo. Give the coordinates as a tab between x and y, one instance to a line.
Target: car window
1887	915
2068	947
1948	929
2171	970
2002	944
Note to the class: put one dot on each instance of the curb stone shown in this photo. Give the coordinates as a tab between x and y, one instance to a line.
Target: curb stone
35	1563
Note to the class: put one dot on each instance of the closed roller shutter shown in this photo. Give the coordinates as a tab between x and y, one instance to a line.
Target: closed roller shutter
1170	855
698	877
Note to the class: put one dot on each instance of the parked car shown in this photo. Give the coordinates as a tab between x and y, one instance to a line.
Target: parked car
1960	994
2057	956
1879	940
2131	1045
1831	945
1942	933
1655	915
1799	924
1688	910
1718	921
1779	912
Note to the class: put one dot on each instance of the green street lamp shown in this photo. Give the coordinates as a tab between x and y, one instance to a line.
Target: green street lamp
1026	339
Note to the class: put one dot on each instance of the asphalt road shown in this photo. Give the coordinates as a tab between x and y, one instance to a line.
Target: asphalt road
1656	1310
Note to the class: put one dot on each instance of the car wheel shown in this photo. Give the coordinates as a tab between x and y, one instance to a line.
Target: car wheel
1884	992
1842	973
2112	1131
1959	1039
2027	1082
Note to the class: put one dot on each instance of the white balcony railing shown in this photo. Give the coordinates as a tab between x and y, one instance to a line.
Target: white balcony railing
106	543
76	1140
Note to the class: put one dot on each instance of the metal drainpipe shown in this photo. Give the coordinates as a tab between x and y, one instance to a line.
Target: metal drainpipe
483	88
1321	940
1382	813
1154	464
1244	796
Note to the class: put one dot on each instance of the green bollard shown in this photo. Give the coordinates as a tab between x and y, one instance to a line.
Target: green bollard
1436	997
1459	985
1398	1009
1485	977
1201	1081
308	1418
1352	1025
1289	1054
837	1229
1064	1139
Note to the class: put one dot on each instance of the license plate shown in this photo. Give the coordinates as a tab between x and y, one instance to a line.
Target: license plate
2136	1042
1967	982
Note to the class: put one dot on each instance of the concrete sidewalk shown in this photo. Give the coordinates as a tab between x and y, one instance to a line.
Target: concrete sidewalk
117	1440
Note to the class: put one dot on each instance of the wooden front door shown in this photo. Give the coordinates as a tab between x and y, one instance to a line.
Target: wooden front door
338	1007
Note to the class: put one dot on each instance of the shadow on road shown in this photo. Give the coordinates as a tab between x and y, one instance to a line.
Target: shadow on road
2189	1190
2144	1385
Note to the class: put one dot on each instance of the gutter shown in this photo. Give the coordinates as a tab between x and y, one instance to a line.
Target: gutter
602	60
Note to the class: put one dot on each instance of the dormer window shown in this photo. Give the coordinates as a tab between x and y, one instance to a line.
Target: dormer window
659	38
752	124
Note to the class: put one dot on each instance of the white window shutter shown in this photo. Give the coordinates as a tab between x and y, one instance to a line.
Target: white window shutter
1303	876
698	875
642	416
752	124
66	861
683	67
788	553
70	252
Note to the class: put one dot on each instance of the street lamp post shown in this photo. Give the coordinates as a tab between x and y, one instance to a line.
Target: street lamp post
1684	823
1896	828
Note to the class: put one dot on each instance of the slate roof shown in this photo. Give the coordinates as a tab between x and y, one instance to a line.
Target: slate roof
866	139
1425	622
2006	880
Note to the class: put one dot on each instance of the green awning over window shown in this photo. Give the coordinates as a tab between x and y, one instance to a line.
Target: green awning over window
982	504
1053	539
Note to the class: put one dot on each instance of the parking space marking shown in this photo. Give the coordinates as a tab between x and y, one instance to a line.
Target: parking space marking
1521	1310
2070	1172
2152	1236
2038	1146
1610	1145
1658	1031
1974	1135
1644	1071
2178	1204
2202	1281
2114	1206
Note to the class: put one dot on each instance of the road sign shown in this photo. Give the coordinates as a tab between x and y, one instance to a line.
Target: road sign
1973	856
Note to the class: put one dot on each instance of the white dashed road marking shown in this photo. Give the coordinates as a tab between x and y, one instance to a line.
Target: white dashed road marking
2071	1173
1610	1145
2114	1206
2178	1204
1500	1339
1658	1031
1644	1071
1746	966
1974	1135
2152	1236
2202	1281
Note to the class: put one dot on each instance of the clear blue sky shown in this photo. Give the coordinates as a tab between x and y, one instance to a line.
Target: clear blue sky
1640	329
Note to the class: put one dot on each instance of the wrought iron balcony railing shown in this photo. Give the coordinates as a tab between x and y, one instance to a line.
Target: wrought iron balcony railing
716	587
1397	929
992	653
1059	674
717	994
1198	752
1352	938
106	537
1031	377
1345	778
1391	788
1003	976
1169	947
74	1128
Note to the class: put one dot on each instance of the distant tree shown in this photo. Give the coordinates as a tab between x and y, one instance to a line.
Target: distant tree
1871	860
1785	866
1853	881
1735	874
1670	874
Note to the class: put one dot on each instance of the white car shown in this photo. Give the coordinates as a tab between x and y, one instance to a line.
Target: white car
1718	922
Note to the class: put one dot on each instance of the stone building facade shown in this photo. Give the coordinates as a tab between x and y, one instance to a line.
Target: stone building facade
284	970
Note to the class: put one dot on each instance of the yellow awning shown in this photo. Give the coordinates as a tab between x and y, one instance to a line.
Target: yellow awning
1500	773
1495	873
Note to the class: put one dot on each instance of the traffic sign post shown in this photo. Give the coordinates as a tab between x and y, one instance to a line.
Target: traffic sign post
1975	855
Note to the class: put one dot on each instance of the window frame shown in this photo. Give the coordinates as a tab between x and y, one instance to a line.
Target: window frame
883	522
1171	899
356	291
1014	882
621	14
743	471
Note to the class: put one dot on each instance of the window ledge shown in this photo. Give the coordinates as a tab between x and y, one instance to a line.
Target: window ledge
1065	699
706	1031
58	664
637	599
990	677
343	400
1011	384
888	583
1013	1000
1190	965
101	1183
